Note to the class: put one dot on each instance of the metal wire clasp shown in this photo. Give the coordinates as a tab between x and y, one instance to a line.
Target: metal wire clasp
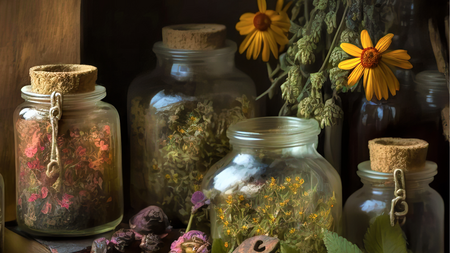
399	207
55	114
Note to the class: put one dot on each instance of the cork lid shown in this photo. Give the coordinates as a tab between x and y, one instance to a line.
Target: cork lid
194	36
388	154
63	78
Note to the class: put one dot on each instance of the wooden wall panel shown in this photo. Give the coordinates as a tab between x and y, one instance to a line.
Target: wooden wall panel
32	32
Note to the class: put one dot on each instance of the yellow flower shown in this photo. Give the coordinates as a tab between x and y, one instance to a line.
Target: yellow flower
301	213
255	220
297	179
182	131
225	223
288	213
282	187
155	167
305	194
193	118
200	177
226	244
241	197
302	181
170	136
247	205
266	26
292	230
258	230
374	63
288	179
167	176
222	217
244	227
228	232
282	204
266	196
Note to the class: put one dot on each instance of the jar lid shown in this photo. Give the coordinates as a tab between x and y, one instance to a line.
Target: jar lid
194	36
431	79
388	154
63	78
274	132
365	171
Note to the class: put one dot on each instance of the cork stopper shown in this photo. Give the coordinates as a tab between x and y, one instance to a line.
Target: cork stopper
194	36
63	78
388	154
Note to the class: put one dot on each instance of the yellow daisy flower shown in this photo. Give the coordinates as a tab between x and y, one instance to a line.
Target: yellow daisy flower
374	63
266	26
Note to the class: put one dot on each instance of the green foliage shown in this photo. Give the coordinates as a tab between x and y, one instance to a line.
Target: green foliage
381	237
338	244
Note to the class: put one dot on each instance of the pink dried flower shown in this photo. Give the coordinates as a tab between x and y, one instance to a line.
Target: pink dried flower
83	193
195	238
65	201
47	208
33	197
81	151
44	192
107	129
30	151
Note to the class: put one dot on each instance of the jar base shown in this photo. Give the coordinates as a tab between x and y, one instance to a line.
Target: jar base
74	233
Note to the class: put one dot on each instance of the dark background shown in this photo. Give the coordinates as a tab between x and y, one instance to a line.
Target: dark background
117	36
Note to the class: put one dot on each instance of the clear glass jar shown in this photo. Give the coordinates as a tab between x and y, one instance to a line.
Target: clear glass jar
424	227
85	197
178	117
274	183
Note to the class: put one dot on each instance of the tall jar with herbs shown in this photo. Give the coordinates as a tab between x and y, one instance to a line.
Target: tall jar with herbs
68	154
396	186
273	183
179	114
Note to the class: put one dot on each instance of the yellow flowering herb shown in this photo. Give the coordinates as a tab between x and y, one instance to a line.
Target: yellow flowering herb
288	179
241	197
167	176
244	227
228	232
226	245
292	230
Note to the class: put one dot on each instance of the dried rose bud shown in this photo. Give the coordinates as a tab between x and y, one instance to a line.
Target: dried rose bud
150	243
199	199
150	220
192	241
100	245
122	238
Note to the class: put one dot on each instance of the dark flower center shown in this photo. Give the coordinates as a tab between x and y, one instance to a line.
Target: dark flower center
261	21
370	57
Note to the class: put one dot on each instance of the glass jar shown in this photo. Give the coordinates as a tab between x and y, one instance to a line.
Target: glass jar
424	227
274	183
178	117
85	197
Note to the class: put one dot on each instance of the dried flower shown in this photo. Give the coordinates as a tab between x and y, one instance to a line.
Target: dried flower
150	220
190	240
199	199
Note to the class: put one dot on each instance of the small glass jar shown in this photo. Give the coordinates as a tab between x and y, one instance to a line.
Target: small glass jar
85	197
274	183
178	117
424	226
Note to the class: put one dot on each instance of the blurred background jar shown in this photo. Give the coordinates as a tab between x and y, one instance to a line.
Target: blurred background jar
274	183
68	154
178	115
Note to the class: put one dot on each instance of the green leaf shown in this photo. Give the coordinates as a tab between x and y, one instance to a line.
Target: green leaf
382	238
287	248
217	246
338	244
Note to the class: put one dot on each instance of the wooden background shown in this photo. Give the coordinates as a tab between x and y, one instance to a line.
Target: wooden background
32	32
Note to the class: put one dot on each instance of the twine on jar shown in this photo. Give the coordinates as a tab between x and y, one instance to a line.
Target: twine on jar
399	207
55	114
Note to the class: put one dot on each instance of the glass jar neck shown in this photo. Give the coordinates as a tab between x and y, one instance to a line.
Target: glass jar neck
187	64
70	101
414	180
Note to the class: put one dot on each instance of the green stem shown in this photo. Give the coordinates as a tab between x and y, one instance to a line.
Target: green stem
190	222
334	39
306	11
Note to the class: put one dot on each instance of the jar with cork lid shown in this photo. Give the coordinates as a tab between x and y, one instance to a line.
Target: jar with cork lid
68	154
178	115
396	184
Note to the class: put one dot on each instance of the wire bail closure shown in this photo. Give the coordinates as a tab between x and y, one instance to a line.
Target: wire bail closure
55	114
399	207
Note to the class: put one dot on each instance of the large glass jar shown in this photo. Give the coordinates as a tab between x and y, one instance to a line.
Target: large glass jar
424	226
274	183
85	196
178	117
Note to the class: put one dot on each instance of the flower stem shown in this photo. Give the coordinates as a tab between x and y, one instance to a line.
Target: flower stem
190	222
334	39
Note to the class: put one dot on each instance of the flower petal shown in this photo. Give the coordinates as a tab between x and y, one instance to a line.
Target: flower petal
257	48
262	5
245	28
366	77
391	80
279	5
351	49
279	18
399	54
272	43
380	83
384	43
250	47
271	13
365	39
246	42
369	86
396	62
266	50
280	37
247	16
287	7
355	75
284	26
349	64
